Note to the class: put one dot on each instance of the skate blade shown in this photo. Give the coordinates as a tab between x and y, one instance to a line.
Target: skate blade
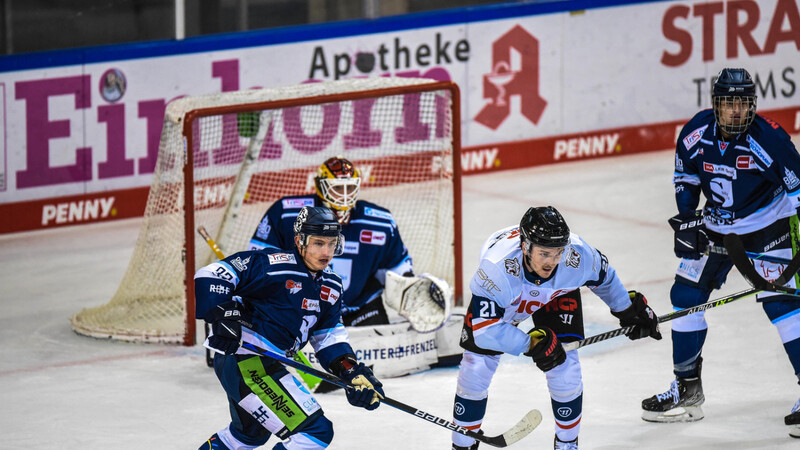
679	414
794	431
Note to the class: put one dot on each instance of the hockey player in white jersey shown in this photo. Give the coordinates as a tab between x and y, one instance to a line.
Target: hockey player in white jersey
535	269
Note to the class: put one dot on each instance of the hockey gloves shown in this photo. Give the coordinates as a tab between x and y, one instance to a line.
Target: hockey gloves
640	316
691	240
366	390
545	349
226	327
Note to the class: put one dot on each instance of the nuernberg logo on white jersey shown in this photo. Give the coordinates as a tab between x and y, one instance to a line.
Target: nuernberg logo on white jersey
372	237
694	137
719	170
282	258
311	305
297	203
328	294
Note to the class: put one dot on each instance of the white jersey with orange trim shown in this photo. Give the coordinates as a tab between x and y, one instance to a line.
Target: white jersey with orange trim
504	293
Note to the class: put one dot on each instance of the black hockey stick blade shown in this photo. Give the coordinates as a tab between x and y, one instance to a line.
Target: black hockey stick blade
738	254
521	429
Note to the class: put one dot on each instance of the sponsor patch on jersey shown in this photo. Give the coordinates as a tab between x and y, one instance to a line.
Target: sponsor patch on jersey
718	169
294	286
573	258
372	237
372	212
282	258
745	162
694	137
487	282
263	229
512	266
350	248
311	305
329	294
218	289
558	293
240	264
757	150
297	203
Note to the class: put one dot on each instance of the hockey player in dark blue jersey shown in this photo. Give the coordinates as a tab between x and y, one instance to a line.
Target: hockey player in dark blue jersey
373	244
280	300
747	168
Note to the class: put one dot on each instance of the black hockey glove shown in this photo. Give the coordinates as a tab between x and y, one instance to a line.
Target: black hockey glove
226	326
640	316
691	240
545	349
366	392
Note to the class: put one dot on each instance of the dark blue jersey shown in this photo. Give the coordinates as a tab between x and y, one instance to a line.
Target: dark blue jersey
372	245
749	181
290	305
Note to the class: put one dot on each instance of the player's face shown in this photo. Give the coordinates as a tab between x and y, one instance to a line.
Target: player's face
543	260
733	110
318	251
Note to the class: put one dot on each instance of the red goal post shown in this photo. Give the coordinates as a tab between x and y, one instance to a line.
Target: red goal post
249	148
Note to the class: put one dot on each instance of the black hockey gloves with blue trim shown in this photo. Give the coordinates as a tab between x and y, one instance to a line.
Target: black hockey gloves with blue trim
691	240
545	349
640	316
226	326
366	392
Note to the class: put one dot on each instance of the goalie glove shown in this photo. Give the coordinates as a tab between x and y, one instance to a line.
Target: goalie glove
640	316
424	300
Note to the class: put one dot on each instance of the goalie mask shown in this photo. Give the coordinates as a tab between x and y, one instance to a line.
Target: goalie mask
337	183
318	221
544	227
734	100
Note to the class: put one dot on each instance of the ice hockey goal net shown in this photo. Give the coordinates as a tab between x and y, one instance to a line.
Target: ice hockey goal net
249	148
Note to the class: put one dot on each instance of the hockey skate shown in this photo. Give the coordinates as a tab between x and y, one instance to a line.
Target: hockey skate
471	447
565	445
793	420
681	403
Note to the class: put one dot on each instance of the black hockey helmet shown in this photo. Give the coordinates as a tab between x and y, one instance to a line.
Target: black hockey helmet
318	221
735	86
543	226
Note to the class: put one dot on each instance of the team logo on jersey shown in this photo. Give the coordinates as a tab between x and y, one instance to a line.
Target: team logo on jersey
294	286
328	294
239	264
297	203
372	237
678	163
263	229
487	282
694	137
512	266
790	179
745	162
723	146
573	258
282	258
350	248
718	169
311	305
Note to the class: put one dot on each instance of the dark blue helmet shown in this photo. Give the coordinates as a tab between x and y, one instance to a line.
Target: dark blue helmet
318	221
544	227
734	89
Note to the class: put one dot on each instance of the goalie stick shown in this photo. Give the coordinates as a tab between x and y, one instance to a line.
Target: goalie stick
311	381
521	429
739	256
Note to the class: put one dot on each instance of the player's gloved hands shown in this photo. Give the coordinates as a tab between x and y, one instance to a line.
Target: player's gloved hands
545	349
641	316
366	392
226	327
691	240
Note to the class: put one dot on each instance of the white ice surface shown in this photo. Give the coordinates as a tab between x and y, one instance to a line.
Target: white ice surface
59	390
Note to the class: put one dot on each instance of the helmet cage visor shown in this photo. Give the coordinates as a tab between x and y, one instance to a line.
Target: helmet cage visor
734	114
339	193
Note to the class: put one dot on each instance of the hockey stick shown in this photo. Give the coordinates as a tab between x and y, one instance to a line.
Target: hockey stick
514	434
665	318
738	255
311	381
755	256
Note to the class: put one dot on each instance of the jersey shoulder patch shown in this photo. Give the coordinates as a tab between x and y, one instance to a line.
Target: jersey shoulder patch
281	258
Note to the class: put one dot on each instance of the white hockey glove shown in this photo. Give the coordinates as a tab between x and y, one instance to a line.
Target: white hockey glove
424	300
